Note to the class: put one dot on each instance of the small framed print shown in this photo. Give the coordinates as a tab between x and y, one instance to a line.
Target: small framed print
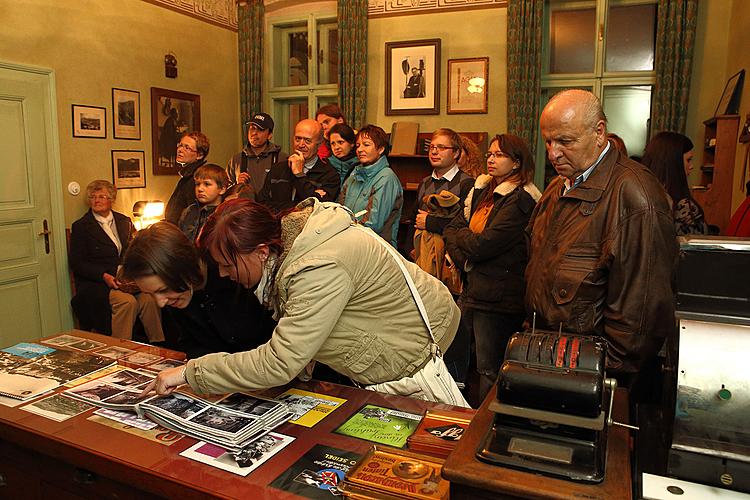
128	169
89	121
467	85
126	114
412	77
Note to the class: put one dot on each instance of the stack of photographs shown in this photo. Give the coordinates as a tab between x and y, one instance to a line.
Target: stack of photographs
389	473
439	432
120	390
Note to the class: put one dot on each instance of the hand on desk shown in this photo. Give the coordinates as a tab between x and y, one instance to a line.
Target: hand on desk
167	381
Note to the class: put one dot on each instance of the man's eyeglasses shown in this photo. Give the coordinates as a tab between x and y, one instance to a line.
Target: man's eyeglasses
186	147
99	197
439	148
496	154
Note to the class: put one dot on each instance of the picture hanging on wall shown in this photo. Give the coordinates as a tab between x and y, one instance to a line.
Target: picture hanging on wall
467	85
89	121
412	77
172	114
126	114
128	169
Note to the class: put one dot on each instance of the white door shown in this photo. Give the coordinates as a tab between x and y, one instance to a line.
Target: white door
32	281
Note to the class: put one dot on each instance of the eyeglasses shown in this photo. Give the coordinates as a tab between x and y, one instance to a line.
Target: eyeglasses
99	197
439	148
305	140
496	154
186	147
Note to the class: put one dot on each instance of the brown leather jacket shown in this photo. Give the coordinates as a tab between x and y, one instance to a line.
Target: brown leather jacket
602	258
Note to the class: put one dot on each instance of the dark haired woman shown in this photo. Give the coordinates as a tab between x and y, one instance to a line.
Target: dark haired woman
487	242
373	191
669	156
344	159
340	296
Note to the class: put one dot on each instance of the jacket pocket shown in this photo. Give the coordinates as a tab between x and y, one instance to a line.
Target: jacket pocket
576	265
372	358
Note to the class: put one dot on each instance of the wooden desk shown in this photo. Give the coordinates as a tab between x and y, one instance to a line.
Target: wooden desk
79	458
473	479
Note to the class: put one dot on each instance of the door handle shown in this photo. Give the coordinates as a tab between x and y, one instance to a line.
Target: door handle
45	232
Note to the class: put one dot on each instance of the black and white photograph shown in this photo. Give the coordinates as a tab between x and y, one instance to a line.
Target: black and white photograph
62	340
95	391
126	114
85	345
163	365
179	405
141	358
58	407
172	114
248	404
89	121
64	366
114	352
218	419
128	169
127	378
126	398
9	361
412	82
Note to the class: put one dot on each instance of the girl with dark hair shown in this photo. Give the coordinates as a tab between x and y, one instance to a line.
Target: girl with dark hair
340	296
373	191
344	159
669	156
487	242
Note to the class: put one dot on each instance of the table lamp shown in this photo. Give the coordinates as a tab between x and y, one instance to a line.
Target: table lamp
147	212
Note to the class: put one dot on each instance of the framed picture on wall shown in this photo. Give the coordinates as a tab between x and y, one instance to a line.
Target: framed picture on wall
412	77
126	114
128	169
89	121
172	114
467	85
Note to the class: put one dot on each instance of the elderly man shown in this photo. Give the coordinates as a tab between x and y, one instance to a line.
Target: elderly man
252	164
303	175
192	151
602	241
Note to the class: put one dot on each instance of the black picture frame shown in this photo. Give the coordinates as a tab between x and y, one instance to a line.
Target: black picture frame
89	121
729	104
172	113
128	168
126	114
406	63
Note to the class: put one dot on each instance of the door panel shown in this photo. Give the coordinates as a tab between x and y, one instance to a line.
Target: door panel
29	291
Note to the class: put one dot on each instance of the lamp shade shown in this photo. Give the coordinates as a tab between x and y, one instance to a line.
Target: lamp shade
153	208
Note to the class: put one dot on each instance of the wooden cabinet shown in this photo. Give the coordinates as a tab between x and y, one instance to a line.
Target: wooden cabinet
715	191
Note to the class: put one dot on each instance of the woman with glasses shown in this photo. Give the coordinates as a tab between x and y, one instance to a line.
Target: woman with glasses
98	240
487	242
373	191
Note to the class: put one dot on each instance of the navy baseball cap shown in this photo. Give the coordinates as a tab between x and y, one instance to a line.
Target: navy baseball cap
262	120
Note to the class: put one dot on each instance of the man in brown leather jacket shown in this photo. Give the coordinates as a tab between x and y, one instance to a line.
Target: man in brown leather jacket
602	241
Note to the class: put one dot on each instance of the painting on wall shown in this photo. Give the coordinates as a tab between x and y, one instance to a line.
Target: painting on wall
412	77
126	114
172	114
128	169
467	85
89	121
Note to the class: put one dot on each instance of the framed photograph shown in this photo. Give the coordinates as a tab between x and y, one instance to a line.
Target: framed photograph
467	85
126	114
128	169
89	121
729	104
172	114
412	77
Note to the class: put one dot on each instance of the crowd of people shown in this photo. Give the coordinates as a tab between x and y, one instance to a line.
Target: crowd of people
263	267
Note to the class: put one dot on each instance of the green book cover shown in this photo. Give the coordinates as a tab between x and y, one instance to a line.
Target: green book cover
381	425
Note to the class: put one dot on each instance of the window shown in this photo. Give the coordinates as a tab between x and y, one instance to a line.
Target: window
304	73
607	47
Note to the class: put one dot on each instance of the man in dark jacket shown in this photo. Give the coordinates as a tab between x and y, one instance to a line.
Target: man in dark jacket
602	241
192	151
252	164
303	175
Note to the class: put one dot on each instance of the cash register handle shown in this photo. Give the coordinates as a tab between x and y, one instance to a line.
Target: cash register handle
612	384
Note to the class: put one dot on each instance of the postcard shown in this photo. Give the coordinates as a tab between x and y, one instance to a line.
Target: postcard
85	345
309	408
62	340
249	459
57	407
28	350
381	425
163	365
317	473
113	352
141	358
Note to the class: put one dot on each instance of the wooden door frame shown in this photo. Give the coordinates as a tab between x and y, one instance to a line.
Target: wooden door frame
55	183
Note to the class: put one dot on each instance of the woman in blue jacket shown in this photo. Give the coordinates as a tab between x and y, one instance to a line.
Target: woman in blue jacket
373	191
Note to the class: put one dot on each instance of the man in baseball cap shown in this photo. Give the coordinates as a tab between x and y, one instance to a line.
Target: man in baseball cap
252	164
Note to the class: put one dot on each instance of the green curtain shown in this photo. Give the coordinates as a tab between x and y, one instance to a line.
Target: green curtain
675	39
525	19
250	35
352	21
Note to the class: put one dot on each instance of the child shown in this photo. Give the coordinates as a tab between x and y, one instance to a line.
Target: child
210	184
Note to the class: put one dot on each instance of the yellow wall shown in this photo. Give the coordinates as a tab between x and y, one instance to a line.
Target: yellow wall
94	45
468	33
738	57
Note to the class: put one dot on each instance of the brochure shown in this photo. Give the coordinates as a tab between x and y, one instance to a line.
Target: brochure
318	473
309	408
243	463
27	350
381	425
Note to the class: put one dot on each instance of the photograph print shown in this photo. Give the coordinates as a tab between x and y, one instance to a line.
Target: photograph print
412	83
172	114
128	169
89	121
126	114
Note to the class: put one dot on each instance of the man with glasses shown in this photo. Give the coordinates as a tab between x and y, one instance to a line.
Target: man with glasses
444	152
252	164
303	174
192	151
